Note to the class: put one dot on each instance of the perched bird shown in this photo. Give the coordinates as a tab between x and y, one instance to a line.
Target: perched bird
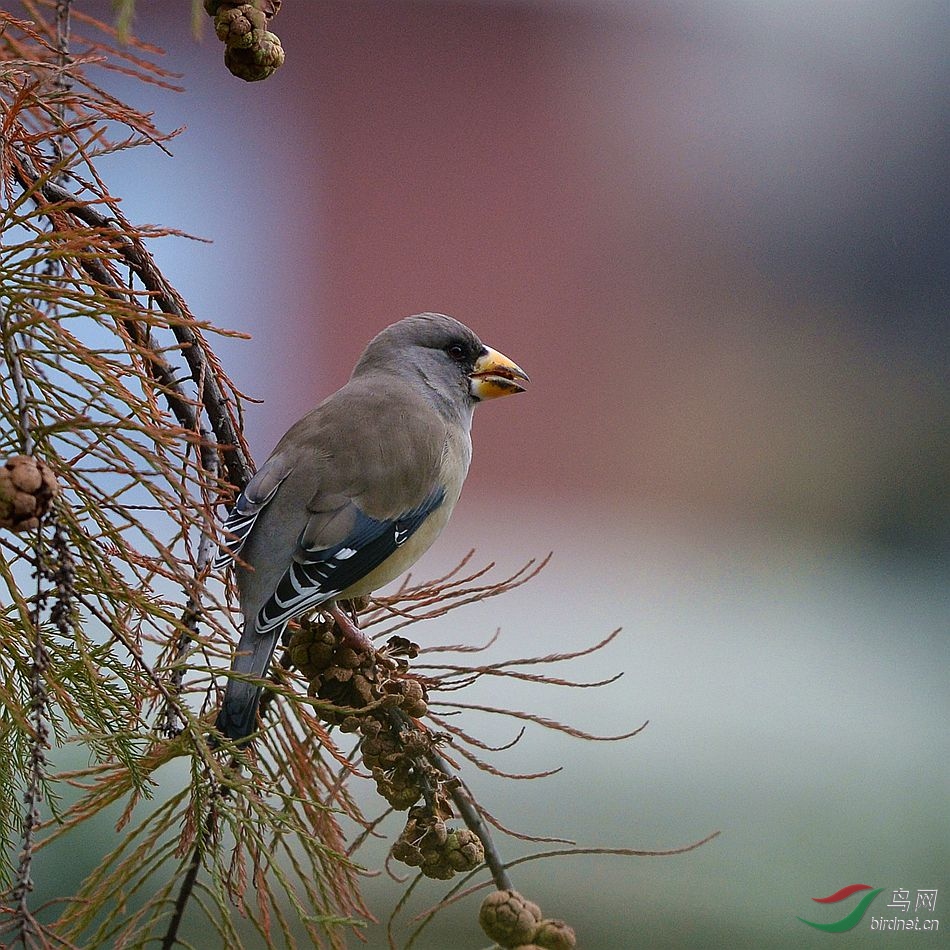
357	490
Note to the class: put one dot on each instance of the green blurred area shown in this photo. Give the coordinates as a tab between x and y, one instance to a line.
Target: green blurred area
797	704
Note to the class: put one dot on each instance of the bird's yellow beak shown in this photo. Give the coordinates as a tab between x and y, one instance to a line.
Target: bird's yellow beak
495	375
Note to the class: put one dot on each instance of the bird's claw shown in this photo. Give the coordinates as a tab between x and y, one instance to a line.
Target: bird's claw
350	633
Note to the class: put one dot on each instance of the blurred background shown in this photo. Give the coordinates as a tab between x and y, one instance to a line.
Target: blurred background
717	235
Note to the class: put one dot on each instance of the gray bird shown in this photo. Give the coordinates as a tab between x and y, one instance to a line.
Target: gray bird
357	490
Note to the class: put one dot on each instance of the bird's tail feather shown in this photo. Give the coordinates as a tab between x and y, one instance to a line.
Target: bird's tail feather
237	718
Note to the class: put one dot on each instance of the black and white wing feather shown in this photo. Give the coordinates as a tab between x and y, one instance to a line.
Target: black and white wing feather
241	519
316	576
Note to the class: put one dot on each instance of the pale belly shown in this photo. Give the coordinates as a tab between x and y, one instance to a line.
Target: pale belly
410	552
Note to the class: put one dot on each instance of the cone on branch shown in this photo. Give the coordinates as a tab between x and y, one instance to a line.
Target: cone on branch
515	923
27	489
251	51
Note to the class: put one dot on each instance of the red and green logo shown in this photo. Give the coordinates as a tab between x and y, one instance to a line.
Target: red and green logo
851	920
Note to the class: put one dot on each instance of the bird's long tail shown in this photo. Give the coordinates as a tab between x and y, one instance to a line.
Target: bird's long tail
237	718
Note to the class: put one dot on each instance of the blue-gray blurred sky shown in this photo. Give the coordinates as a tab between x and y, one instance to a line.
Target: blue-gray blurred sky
716	235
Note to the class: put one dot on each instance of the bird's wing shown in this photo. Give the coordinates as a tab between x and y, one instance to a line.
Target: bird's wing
319	572
242	517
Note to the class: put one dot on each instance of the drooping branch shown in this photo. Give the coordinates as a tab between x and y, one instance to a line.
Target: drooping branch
204	368
24	922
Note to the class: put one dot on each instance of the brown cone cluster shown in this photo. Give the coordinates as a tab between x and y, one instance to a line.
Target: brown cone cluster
27	489
514	922
251	52
368	683
437	850
382	702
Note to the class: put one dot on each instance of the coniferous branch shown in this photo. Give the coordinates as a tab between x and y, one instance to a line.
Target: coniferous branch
204	369
24	924
95	415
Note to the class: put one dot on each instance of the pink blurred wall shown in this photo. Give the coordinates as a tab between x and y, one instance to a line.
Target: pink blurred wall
712	239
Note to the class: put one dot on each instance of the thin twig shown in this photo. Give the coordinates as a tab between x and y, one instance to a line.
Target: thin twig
188	881
19	383
473	821
39	742
63	83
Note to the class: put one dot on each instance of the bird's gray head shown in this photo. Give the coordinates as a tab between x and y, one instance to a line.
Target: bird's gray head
446	358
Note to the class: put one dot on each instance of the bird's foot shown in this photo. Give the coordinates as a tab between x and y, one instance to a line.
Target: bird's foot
350	634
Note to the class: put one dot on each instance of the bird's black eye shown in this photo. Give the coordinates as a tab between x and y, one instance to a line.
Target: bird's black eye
456	351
